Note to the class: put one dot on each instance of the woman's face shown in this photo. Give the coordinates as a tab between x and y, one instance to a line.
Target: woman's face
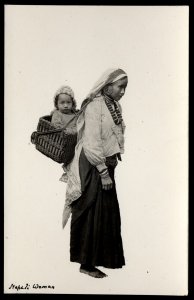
64	103
117	89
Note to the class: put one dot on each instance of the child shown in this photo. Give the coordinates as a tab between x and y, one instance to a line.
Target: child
65	112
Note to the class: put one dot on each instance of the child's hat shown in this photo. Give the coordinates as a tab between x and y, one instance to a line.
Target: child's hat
65	90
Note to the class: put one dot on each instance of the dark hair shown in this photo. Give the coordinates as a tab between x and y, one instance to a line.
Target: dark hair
56	101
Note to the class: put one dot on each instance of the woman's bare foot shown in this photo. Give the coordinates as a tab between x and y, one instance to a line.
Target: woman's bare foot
92	271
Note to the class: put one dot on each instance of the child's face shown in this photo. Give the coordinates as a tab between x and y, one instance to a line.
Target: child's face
64	103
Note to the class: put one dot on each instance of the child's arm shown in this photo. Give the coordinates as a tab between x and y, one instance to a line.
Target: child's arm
71	130
56	120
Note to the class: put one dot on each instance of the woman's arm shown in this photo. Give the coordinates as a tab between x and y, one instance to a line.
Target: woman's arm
92	141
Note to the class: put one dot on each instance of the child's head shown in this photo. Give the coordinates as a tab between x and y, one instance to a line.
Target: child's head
64	100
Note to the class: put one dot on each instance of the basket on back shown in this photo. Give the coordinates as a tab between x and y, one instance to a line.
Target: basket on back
54	143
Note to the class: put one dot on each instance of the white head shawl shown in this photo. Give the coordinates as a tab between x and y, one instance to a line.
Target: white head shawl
109	76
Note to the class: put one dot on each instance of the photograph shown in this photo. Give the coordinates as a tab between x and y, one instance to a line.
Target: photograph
96	149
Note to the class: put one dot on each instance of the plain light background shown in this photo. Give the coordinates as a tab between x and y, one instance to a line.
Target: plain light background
48	46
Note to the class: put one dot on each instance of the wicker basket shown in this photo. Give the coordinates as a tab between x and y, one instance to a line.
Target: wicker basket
54	143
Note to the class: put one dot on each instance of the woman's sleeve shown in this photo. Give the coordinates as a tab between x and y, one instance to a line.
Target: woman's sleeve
92	140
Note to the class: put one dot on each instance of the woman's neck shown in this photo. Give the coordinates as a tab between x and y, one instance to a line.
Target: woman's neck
108	97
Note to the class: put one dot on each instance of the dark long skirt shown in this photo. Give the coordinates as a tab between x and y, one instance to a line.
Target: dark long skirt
95	224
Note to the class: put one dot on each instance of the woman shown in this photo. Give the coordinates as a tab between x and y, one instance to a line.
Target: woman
91	193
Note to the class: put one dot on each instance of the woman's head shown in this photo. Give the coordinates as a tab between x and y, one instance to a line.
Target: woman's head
113	82
64	99
116	89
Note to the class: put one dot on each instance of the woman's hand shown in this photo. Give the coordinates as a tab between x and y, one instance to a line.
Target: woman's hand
107	183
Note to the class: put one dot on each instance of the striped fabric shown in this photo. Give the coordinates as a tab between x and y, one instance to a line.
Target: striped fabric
116	114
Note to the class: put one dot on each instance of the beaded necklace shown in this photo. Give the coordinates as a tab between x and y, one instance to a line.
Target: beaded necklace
116	114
